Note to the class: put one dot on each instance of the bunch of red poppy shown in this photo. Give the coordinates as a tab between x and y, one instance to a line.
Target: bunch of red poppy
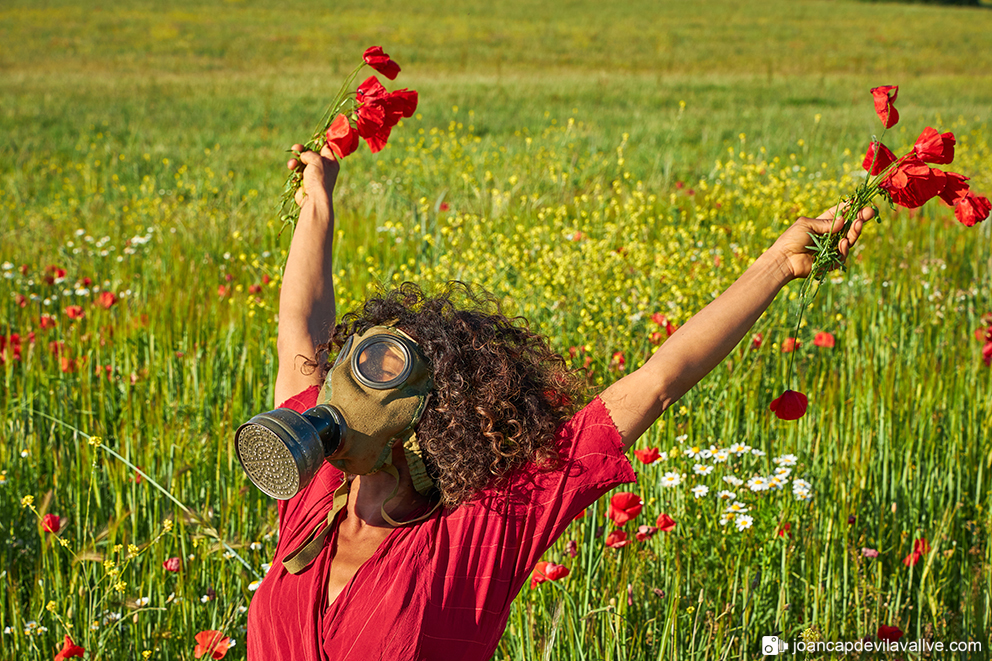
909	181
376	111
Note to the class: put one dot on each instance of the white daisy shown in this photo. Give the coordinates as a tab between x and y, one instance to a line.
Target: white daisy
801	485
725	495
254	585
734	481
726	518
141	602
743	522
757	483
720	456
781	472
708	452
700	490
803	494
737	507
775	482
702	469
681	438
671	479
786	460
758	453
694	452
739	448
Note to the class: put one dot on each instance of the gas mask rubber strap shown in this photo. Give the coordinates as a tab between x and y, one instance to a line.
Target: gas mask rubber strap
389	468
305	553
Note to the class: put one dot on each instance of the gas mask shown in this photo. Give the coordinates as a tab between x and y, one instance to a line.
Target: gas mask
372	399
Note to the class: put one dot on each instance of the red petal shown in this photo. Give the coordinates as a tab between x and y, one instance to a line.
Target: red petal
955	188
933	147
381	62
884	97
341	137
972	209
878	157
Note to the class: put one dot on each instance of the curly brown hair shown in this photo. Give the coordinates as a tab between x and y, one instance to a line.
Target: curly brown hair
500	391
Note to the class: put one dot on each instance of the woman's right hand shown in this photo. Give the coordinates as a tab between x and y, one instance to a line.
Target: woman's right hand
320	173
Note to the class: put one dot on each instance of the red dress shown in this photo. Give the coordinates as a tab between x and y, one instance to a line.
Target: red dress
440	589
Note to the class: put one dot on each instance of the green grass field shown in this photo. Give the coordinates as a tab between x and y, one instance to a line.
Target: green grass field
591	168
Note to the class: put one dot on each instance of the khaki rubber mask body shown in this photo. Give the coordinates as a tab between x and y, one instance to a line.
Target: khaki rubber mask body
373	396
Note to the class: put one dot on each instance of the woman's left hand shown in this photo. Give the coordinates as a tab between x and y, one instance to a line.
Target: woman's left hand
792	248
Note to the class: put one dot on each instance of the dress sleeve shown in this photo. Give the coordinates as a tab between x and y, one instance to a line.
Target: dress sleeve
539	504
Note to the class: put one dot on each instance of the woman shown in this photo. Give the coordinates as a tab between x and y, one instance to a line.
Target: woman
510	463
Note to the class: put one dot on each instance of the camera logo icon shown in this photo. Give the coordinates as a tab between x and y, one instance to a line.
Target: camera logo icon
773	646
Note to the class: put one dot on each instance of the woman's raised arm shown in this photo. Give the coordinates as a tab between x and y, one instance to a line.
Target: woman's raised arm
637	400
306	301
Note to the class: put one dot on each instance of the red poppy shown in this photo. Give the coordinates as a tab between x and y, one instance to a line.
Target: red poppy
659	319
213	643
624	507
878	157
46	322
790	344
791	405
617	539
255	289
824	339
68	365
784	530
56	347
222	291
987	353
921	546
892	634
172	564
379	111
648	456
933	147
547	571
51	523
54	274
69	650
375	58
913	183
665	523
22	300
972	209
74	312
670	328
342	138
655	338
954	189
884	97
756	340
106	299
618	361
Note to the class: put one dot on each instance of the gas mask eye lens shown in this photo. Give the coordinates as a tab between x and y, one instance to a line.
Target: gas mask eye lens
382	362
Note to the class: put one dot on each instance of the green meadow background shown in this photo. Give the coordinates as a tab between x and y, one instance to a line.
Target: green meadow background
589	165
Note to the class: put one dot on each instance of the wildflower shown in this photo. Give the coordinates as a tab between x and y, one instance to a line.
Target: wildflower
775	482
912	183
756	340
785	530
69	650
732	480
380	111
933	147
737	507
254	585
617	539
702	469
700	490
726	518
851	520
724	494
51	523
801	485
757	483
889	633
342	138
645	533
757	453
869	553
920	548
955	188
665	523
106	299
694	452
786	460
824	339
27	501
671	479
381	62
972	209
739	448
720	456
743	522
802	494
877	158
213	643
141	602
624	507
649	456
74	312
782	472
885	97
790	344
618	362
547	571
790	405
45	322
255	546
